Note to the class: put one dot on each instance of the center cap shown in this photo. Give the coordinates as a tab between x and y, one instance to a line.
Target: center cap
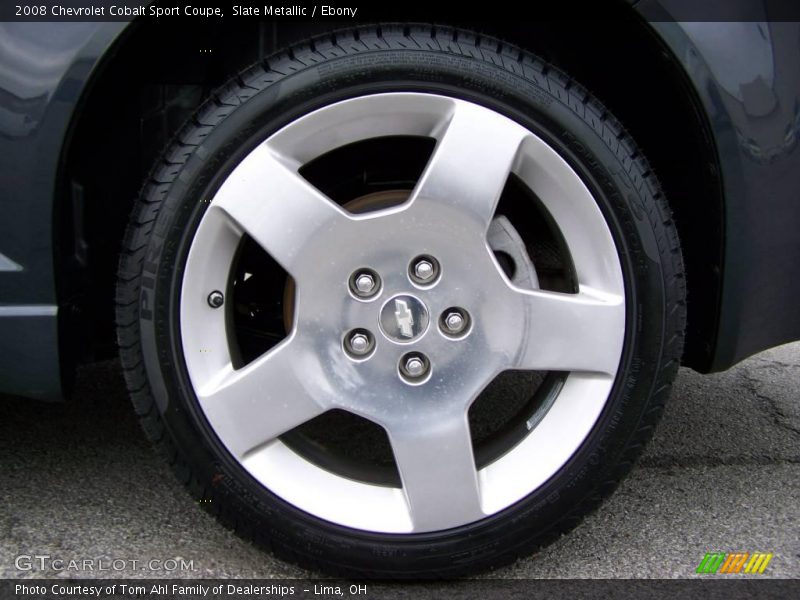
404	318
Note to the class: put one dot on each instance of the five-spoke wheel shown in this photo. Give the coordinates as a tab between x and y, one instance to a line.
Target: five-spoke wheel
403	315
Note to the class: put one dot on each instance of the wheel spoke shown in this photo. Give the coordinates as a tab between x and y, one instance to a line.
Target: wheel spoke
266	197
470	166
571	332
437	468
253	405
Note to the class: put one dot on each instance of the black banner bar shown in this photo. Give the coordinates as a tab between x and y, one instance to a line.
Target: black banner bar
398	11
325	589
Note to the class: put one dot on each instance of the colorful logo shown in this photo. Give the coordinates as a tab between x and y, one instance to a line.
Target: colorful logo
734	562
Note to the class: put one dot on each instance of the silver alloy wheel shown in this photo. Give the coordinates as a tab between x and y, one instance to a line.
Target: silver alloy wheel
447	217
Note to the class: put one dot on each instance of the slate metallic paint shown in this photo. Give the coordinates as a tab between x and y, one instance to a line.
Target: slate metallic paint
746	76
45	69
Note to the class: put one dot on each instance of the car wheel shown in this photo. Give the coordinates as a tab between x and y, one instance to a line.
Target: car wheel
401	302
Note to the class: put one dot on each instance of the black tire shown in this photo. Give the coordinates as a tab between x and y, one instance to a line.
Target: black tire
268	95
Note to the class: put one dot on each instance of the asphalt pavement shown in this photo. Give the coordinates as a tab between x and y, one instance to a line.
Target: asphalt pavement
79	481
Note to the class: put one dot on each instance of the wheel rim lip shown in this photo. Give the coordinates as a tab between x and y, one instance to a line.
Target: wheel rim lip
277	467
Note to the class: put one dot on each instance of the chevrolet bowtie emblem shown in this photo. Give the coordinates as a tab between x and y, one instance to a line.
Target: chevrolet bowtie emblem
405	319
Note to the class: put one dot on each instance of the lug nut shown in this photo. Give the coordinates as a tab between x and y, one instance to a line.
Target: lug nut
216	299
365	283
359	343
414	367
424	270
454	321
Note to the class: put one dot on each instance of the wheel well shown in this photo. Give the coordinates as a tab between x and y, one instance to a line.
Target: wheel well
159	74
